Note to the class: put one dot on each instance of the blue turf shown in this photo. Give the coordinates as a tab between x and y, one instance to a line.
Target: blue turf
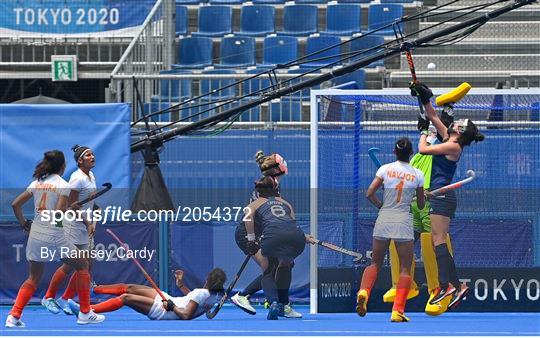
233	322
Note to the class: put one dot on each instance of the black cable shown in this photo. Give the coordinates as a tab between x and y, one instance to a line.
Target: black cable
348	56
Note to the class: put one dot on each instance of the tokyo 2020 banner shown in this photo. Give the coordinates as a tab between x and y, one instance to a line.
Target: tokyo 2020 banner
74	17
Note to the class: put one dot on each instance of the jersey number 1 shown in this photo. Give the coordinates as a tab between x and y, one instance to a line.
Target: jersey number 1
399	188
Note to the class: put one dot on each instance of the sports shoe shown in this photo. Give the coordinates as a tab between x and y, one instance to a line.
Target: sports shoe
437	308
390	295
398	317
289	312
89	318
273	311
243	303
361	302
51	305
14	322
443	293
74	307
459	295
63	304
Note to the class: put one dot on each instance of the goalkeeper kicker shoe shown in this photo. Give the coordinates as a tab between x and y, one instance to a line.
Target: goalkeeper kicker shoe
243	303
437	308
390	295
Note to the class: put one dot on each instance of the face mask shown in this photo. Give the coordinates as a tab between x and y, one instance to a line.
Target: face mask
431	138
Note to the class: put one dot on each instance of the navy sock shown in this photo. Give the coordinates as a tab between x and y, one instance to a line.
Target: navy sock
443	262
452	272
269	287
253	287
283	282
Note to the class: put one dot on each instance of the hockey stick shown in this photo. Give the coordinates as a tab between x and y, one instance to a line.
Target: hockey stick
107	186
373	156
146	275
212	313
415	80
459	184
358	256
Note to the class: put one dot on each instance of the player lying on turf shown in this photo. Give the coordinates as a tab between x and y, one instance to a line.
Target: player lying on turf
50	193
401	182
147	301
446	155
280	243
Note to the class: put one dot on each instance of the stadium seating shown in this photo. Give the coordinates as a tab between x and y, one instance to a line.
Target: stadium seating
279	50
365	43
343	19
303	94
194	52
286	110
299	20
257	20
181	25
380	15
189	2
214	21
396	1
310	1
358	78
226	2
207	86
253	85
354	1
317	43
173	90
268	1
237	52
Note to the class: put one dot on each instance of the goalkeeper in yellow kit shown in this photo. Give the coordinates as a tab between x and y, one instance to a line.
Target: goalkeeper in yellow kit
421	220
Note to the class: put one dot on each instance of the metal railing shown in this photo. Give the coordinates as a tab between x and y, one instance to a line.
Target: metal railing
150	51
158	92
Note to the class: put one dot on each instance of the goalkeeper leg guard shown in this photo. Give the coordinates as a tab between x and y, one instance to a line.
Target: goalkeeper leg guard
430	266
390	295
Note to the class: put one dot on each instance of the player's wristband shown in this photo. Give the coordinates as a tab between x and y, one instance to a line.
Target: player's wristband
251	237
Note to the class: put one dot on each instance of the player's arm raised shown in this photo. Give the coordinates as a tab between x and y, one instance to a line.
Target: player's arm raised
446	148
425	94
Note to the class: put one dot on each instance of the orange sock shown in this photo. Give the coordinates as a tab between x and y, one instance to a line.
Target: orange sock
113	289
83	289
112	304
369	277
26	292
71	289
57	279
403	286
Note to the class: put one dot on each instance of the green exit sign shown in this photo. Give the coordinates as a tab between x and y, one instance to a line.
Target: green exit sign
64	67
